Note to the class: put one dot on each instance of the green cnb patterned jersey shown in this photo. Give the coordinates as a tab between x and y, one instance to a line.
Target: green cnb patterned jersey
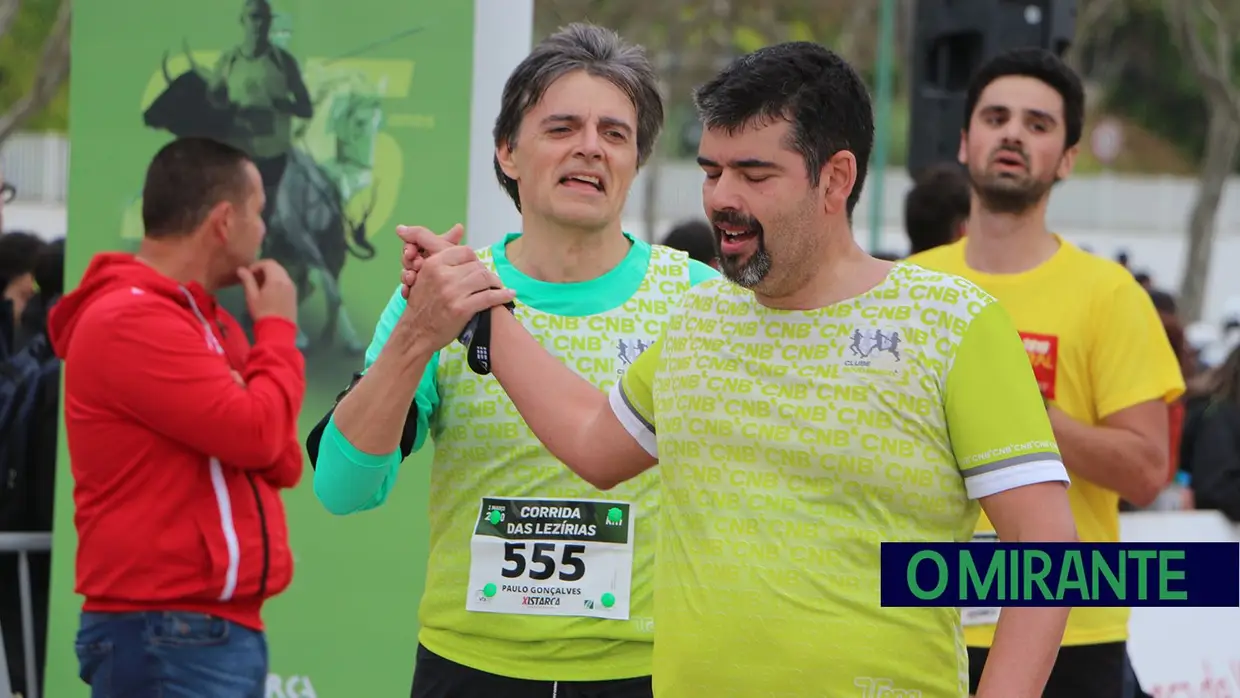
791	444
533	573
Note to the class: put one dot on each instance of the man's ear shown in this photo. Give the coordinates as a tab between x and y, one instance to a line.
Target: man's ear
839	176
219	219
1067	162
503	156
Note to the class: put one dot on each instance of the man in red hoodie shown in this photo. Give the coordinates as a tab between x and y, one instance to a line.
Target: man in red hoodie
181	436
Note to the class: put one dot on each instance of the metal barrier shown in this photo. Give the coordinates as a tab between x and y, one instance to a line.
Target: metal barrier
23	544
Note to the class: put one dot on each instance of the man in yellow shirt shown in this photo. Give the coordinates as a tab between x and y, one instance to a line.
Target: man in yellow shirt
1102	360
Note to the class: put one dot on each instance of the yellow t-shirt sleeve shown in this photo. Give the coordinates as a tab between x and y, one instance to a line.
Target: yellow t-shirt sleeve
1131	359
632	399
996	419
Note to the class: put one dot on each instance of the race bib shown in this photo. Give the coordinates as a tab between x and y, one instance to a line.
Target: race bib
552	557
985	615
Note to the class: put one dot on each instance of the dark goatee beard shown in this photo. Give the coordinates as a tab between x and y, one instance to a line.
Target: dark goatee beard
748	274
1009	197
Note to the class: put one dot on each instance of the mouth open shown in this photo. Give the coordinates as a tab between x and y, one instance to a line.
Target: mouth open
585	183
1010	161
736	240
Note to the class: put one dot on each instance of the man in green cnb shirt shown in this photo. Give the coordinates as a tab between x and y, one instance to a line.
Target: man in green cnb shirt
537	584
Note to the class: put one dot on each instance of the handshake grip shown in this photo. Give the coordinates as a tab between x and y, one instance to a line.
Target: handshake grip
476	338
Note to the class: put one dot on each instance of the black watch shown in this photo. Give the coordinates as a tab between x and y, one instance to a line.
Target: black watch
477	340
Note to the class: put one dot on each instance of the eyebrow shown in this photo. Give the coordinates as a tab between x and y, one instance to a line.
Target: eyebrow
606	121
745	164
1035	112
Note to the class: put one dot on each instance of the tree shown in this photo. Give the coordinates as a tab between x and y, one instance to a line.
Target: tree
50	72
1207	38
1095	20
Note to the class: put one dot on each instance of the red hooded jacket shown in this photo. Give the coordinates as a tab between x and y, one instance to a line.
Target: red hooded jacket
177	467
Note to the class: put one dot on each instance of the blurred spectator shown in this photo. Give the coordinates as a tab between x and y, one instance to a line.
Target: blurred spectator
49	281
18	252
1212	442
695	237
31	446
1144	278
937	207
1175	496
1168	312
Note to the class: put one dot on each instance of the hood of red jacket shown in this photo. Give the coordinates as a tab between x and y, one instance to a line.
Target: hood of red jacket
108	272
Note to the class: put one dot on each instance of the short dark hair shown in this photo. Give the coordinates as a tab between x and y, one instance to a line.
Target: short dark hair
185	180
18	253
49	269
694	237
936	206
1163	302
809	86
1040	64
599	52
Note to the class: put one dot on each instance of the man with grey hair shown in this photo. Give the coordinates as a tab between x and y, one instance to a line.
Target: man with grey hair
536	584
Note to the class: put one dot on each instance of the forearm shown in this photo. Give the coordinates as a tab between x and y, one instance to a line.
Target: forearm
1116	459
1025	647
372	416
559	406
1027	639
286	472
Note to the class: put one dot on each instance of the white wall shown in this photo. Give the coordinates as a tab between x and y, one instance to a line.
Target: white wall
503	33
49	221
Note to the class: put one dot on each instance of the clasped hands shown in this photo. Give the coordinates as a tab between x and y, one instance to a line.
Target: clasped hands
444	284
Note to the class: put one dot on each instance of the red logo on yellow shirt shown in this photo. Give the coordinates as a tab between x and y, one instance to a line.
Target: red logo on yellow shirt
1043	351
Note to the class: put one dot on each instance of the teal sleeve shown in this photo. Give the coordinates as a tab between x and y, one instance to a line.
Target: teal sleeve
699	272
346	480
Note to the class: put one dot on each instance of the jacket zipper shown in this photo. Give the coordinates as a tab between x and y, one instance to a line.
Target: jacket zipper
262	525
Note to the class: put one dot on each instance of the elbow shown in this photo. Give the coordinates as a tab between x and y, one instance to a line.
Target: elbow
588	464
1143	496
588	470
603	483
333	502
1150	482
260	455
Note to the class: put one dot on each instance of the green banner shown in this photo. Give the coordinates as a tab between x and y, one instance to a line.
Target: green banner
388	141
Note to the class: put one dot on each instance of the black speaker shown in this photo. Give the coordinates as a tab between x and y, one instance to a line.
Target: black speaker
951	40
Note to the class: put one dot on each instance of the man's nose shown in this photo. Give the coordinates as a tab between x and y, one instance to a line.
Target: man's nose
723	193
588	144
1013	133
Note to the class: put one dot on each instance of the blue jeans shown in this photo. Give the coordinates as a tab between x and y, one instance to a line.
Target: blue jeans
170	654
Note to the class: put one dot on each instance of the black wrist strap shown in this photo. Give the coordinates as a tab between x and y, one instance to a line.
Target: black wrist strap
477	340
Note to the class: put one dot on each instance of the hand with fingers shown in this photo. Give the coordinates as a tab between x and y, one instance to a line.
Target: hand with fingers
445	285
269	292
420	242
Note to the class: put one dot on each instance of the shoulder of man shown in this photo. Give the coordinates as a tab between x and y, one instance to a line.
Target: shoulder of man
1106	274
283	58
